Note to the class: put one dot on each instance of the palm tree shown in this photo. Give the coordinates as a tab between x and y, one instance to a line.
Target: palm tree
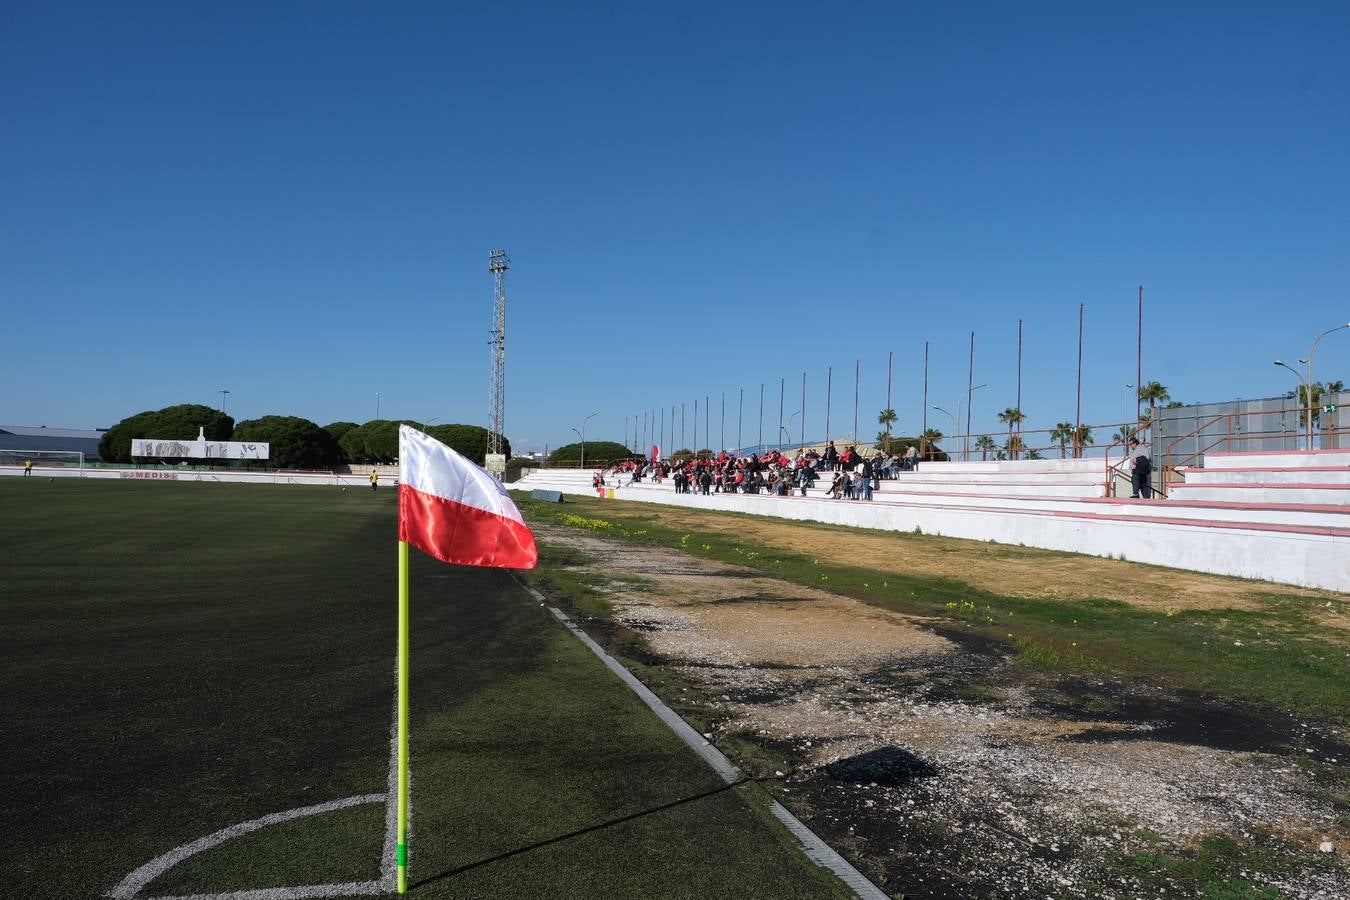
1154	393
1063	433
1174	404
984	445
1014	446
887	418
1081	439
1011	416
929	440
1034	454
1335	387
1124	434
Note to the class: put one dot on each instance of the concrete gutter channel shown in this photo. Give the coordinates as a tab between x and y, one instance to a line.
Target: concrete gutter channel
815	849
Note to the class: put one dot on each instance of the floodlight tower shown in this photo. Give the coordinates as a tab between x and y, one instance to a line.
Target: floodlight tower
498	263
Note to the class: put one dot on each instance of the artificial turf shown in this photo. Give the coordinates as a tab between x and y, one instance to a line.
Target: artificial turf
184	657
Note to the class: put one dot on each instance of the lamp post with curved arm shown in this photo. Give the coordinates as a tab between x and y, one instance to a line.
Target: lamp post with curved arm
965	440
1307	394
1311	351
582	434
787	429
955	425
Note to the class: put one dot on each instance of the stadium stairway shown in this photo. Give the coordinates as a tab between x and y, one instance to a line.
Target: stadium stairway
1316	477
1295	533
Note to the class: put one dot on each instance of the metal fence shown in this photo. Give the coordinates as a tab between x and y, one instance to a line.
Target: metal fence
1185	434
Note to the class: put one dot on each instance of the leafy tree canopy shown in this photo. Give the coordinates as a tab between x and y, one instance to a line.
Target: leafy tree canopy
296	443
595	450
172	423
467	440
336	430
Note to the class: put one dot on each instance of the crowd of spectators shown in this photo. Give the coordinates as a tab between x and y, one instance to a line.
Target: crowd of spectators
849	474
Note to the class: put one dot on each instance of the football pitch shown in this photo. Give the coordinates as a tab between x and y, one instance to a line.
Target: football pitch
186	659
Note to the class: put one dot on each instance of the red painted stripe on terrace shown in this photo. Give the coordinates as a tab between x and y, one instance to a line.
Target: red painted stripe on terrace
1236	485
1275	452
1344	468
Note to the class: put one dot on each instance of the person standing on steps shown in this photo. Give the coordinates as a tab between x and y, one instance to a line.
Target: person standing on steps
1141	471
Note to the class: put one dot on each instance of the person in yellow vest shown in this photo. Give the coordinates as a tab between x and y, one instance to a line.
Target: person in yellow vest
374	480
27	467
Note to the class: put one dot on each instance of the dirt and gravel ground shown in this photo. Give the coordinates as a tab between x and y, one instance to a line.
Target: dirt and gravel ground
943	769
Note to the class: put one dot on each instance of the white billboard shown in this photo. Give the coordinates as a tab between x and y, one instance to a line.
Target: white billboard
198	449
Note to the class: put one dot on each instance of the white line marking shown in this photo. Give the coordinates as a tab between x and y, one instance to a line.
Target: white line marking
344	889
819	852
134	883
389	856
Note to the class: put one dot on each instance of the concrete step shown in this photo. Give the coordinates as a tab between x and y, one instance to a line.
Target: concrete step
1316	494
1020	466
1281	459
1300	475
927	476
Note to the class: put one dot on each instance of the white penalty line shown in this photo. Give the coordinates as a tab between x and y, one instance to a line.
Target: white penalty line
819	852
131	886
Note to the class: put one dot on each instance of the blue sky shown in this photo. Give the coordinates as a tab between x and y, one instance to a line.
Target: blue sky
296	201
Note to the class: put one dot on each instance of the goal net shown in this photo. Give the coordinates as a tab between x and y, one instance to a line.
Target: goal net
67	459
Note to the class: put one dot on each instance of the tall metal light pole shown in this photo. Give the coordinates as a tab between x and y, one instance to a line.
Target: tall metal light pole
925	399
857	381
1018	407
1078	408
498	263
760	436
829	385
722	434
1139	362
740	419
1311	351
223	394
803	409
1307	393
782	382
890	355
582	434
970	379
377	404
695	447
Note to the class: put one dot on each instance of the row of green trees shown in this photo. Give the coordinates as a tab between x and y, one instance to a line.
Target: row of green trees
296	443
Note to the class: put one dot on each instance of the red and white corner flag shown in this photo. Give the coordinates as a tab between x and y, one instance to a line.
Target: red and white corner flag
451	509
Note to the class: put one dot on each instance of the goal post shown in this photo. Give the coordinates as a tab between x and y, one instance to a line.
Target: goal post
66	459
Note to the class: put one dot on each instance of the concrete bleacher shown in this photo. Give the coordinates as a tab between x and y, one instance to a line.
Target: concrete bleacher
1310	478
1219	520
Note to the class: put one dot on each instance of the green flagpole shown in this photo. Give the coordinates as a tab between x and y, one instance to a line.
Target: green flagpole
402	717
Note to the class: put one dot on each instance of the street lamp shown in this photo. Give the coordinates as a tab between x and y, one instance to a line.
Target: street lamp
223	393
1133	395
1311	351
956	428
582	434
787	429
1307	394
965	440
